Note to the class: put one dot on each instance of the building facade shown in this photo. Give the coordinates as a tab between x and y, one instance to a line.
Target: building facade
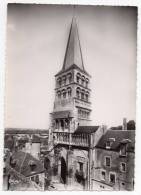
114	167
73	136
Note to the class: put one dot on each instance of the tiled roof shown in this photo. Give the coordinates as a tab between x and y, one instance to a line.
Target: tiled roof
25	131
22	164
120	136
86	129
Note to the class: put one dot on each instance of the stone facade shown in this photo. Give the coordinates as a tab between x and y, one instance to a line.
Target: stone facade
114	166
72	134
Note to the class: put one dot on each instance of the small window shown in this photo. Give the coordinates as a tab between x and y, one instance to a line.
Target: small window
32	178
86	97
112	178
80	166
123	167
82	80
123	150
78	94
64	94
107	161
37	179
59	82
64	80
123	184
69	92
87	82
59	94
70	78
108	144
78	78
82	95
103	175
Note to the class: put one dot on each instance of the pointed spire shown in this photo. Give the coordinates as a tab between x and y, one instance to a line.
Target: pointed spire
73	53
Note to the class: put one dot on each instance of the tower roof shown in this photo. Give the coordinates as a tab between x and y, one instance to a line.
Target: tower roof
73	53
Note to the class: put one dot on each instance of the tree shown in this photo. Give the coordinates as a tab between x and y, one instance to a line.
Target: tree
131	125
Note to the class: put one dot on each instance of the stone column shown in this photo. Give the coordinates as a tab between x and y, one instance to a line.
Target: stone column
59	170
70	178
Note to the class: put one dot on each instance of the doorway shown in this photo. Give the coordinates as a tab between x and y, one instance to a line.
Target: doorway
63	171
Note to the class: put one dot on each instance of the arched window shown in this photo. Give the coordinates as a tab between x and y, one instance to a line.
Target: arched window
64	93
57	124
83	80
78	93
64	80
87	81
69	76
59	94
87	96
59	82
69	92
82	94
66	123
78	77
62	124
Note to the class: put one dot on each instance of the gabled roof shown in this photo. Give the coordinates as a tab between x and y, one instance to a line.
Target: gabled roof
22	164
86	129
120	136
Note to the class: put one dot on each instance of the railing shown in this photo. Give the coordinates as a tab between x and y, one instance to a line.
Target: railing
72	139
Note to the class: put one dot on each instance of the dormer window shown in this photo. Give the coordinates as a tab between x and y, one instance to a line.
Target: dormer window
32	165
109	143
123	149
123	146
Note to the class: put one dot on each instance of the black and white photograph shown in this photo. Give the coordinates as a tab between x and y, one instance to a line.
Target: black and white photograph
70	97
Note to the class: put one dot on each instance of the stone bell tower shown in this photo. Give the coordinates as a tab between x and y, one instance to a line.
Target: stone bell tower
72	92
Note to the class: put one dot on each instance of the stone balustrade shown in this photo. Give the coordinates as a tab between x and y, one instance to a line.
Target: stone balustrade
72	139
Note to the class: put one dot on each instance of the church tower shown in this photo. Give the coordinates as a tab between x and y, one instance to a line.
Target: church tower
72	106
73	137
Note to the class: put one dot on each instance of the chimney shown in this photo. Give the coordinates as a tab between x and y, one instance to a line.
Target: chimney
124	126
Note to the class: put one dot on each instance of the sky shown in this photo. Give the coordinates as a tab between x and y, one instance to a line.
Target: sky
36	41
